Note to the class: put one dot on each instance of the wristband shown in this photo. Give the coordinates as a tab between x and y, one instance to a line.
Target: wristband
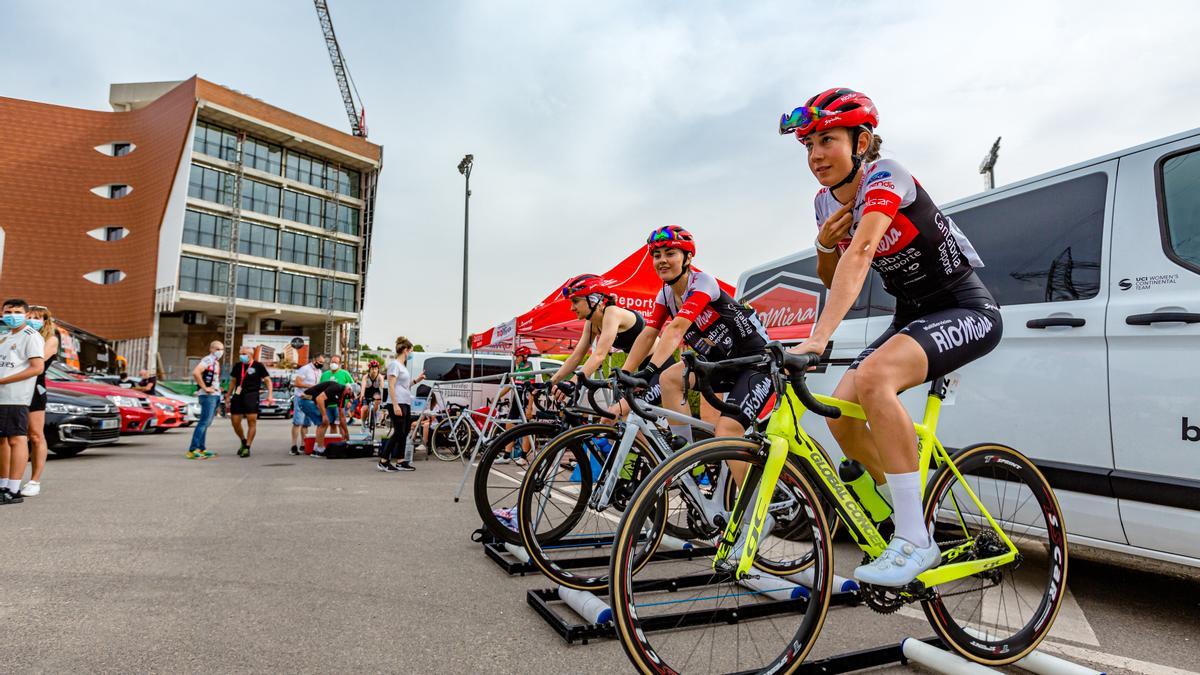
822	249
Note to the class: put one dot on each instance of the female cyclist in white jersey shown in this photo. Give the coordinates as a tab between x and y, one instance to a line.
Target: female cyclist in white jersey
874	214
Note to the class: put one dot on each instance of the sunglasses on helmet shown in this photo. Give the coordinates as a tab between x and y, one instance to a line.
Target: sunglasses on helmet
663	235
799	118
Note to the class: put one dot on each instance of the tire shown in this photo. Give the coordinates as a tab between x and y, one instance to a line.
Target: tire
450	443
553	529
777	642
1022	503
497	486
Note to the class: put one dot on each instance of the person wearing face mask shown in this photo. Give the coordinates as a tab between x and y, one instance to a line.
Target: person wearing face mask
207	375
306	376
344	378
40	320
245	386
21	361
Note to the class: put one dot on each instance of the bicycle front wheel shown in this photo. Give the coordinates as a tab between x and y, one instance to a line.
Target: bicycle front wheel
497	485
684	616
452	441
998	616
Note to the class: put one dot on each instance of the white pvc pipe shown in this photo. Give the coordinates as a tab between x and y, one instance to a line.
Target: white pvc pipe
517	552
939	660
1043	663
674	544
840	584
586	604
776	588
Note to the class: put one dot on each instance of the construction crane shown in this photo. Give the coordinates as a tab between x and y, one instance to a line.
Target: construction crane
358	120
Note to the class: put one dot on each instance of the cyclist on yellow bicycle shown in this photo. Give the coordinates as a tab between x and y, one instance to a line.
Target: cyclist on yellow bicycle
606	327
873	213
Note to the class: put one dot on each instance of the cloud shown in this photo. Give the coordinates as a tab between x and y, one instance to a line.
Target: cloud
591	123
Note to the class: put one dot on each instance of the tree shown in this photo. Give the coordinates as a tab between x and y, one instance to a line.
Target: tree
418	348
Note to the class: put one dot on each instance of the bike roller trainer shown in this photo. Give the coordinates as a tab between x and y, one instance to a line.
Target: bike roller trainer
514	559
779	595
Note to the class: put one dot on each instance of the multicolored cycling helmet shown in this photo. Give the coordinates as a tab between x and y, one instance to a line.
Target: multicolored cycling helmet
582	286
523	351
671	236
838	107
373	364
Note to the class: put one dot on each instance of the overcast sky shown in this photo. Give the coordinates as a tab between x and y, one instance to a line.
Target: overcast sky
593	122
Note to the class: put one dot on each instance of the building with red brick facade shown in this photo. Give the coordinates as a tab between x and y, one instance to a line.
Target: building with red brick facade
121	221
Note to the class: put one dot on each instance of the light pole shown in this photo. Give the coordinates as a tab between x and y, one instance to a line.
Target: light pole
464	167
988	166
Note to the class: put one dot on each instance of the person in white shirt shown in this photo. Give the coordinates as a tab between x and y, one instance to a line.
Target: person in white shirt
21	361
306	376
400	400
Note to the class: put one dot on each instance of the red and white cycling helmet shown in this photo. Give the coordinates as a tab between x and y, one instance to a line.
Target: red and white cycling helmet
671	236
523	351
838	107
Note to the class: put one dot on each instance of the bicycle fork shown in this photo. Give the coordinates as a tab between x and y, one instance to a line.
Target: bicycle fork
752	492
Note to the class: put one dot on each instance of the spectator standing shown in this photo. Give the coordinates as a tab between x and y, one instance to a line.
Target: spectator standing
305	377
336	373
147	383
400	399
22	352
207	375
316	404
39	319
245	386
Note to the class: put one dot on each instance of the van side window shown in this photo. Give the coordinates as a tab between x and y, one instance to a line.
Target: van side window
1043	245
1179	177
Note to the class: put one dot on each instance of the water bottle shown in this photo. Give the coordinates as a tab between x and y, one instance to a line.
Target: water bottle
863	486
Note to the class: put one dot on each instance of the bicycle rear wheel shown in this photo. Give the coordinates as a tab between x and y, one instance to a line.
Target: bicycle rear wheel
1000	615
451	441
710	622
497	486
566	538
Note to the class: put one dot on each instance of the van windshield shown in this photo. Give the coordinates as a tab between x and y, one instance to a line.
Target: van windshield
448	368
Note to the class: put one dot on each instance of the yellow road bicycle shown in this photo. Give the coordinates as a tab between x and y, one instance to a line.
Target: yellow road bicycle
992	598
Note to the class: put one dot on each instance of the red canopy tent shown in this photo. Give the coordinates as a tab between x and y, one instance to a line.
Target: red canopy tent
552	326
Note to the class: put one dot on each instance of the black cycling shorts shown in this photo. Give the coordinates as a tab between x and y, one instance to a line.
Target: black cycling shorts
653	393
371	393
951	338
750	390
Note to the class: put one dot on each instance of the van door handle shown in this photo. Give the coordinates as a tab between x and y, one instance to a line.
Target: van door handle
1162	317
1068	321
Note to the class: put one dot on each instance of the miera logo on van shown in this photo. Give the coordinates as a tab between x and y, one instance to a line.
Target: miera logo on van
787	311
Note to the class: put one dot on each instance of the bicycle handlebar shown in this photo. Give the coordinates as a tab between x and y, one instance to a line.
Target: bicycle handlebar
629	385
793	366
592	387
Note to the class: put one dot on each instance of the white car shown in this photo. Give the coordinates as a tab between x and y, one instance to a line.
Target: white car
1097	269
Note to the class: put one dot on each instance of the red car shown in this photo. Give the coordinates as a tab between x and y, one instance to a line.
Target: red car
137	413
170	413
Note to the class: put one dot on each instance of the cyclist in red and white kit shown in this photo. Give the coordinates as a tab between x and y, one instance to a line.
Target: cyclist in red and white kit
693	310
872	213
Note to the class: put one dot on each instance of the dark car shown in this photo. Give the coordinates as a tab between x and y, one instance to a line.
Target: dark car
76	422
280	405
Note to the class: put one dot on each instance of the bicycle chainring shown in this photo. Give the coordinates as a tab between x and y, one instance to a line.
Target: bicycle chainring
880	599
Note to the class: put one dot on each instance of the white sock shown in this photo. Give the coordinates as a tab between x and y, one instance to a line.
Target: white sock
682	430
906	502
13	485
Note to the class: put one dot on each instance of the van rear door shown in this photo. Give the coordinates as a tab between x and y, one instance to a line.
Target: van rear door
1154	347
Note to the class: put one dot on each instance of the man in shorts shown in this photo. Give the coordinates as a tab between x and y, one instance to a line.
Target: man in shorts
305	376
21	360
319	402
245	386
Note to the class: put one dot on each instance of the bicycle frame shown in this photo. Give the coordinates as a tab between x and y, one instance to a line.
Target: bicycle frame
786	435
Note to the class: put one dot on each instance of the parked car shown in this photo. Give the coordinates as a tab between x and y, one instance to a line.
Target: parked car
136	414
170	413
279	405
1097	269
76	422
191	402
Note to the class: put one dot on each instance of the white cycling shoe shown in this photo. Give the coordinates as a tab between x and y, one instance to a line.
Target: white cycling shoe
899	564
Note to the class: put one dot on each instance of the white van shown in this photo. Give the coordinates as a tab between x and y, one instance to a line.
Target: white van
1097	378
444	368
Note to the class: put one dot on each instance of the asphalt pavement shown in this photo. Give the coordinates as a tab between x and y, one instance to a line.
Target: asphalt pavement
134	559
